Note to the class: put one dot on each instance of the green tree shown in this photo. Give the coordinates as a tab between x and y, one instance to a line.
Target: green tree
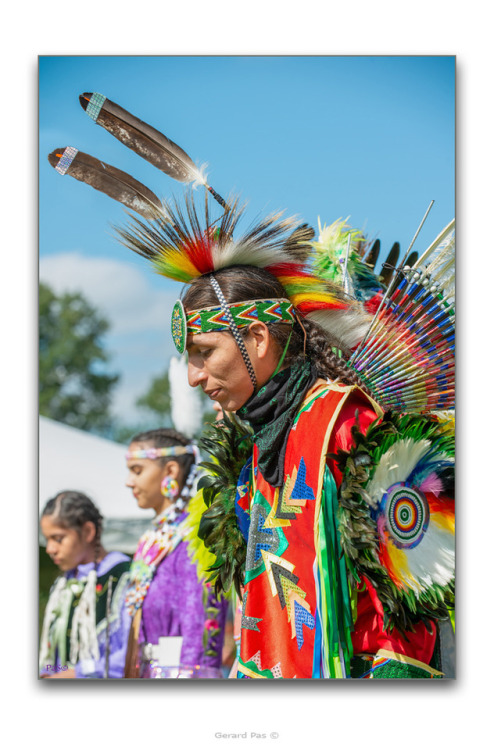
157	401
74	387
157	398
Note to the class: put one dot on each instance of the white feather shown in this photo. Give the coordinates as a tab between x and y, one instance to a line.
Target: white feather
395	465
200	177
441	243
186	406
432	561
248	253
350	325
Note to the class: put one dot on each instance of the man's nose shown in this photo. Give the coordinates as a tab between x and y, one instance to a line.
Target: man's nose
196	375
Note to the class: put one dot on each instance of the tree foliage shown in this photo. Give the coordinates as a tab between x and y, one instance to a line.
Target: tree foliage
157	398
74	387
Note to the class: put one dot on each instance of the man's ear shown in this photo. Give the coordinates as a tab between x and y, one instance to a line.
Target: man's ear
260	336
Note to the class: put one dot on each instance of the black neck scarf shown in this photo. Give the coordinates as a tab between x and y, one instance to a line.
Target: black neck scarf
271	413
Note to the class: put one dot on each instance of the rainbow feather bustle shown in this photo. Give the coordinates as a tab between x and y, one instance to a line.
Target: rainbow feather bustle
396	516
407	358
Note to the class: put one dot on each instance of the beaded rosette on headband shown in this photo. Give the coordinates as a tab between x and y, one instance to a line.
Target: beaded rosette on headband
229	317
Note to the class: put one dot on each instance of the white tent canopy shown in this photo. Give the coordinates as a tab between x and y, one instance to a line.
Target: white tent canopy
70	459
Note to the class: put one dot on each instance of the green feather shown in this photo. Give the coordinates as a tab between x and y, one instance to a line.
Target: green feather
229	442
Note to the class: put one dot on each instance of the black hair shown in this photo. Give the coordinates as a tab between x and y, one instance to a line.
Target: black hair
72	510
164	437
307	338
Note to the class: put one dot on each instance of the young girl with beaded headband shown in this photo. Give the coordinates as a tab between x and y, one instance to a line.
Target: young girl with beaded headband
167	597
86	625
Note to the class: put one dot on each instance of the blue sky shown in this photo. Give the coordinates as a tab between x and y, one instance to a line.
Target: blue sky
372	138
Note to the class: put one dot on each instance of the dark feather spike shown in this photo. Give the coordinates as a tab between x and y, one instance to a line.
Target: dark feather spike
371	258
144	140
115	183
389	265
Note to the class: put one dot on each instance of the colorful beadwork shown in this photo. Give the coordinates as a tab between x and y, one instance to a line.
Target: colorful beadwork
179	326
214	319
153	453
153	546
169	487
228	317
406	514
66	159
94	107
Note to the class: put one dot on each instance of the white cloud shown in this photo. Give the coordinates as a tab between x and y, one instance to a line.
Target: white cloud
138	311
122	292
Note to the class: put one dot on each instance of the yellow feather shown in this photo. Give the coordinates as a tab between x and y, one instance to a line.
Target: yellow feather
198	552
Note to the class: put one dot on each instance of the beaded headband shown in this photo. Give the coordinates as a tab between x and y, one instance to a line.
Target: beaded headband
175	450
211	319
234	329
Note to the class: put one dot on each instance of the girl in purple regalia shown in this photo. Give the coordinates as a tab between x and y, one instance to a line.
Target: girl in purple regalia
86	625
167	596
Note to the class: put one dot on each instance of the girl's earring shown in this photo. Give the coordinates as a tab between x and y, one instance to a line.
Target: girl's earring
169	488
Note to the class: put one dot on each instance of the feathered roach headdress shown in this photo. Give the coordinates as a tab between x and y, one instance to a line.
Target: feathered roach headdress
180	246
405	355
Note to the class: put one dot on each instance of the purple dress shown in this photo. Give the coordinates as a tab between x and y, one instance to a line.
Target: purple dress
179	604
55	651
